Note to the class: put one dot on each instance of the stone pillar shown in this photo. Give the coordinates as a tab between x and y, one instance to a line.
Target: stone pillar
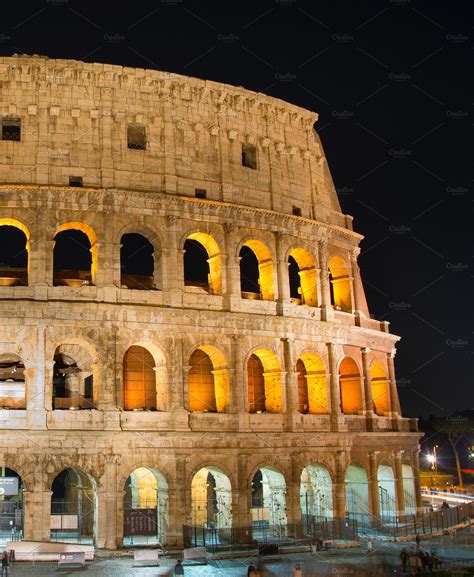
291	384
109	505
400	493
374	487
339	486
178	505
115	274
368	405
241	502
394	400
357	298
326	307
48	272
238	380
177	382
416	475
293	500
283	281
37	515
230	266
334	389
173	280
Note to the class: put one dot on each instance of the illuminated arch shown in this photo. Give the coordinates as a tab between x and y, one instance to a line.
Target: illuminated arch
264	282
139	379
340	283
350	385
208	380
264	382
316	497
306	287
74	377
409	489
91	237
268	498
13	381
357	493
312	384
14	274
211	497
380	388
214	261
386	491
146	496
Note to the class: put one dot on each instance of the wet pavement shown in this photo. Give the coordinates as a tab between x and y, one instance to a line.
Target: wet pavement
382	560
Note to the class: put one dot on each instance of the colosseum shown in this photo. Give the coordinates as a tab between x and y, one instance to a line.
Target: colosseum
187	355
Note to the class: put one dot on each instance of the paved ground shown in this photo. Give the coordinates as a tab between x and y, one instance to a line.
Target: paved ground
381	561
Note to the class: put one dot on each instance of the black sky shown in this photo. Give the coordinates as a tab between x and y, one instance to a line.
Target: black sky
389	80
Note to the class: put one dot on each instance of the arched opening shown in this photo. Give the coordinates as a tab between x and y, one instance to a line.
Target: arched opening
74	256
387	494
14	247
357	495
211	496
208	381
350	385
380	388
316	499
264	382
202	263
302	277
312	384
73	378
145	508
256	271
139	380
409	489
11	505
73	507
268	508
340	284
12	382
137	264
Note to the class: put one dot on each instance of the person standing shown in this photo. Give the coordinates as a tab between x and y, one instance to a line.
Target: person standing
5	563
404	560
250	570
179	569
297	571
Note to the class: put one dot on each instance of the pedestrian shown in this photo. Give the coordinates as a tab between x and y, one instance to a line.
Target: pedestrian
5	563
250	570
297	571
179	569
417	541
404	560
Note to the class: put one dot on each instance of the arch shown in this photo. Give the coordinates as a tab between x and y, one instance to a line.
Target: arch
139	380
357	494
202	262
380	388
208	380
350	385
256	271
316	497
340	283
74	506
137	264
74	377
409	489
14	253
302	277
211	498
13	381
386	491
312	384
264	382
74	255
268	505
146	507
12	512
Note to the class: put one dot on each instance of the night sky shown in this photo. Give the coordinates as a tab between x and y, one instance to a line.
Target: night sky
388	80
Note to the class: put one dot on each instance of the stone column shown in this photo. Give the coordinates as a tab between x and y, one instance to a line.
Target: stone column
109	527
37	514
357	297
173	280
374	487
283	281
416	475
115	278
368	406
230	266
48	251
178	506
178	379
326	307
238	380
339	486
394	400
400	493
293	501
334	389
291	383
241	502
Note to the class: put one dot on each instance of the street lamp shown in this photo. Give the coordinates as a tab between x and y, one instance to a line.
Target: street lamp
433	459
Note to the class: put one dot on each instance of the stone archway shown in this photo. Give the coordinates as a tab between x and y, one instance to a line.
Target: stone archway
268	505
386	491
316	498
357	494
146	505
11	505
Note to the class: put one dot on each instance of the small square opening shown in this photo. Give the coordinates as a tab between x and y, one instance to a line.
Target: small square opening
296	210
200	193
11	129
249	156
136	137
75	181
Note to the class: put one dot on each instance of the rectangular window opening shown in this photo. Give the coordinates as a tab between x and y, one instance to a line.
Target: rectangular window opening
75	181
136	137
11	129
249	156
296	210
200	193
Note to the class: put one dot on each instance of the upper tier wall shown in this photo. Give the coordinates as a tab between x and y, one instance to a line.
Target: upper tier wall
74	118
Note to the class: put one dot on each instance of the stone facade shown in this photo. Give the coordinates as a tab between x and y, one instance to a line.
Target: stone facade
74	119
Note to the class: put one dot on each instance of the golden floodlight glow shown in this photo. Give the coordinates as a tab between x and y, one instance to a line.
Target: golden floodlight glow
214	259
307	274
